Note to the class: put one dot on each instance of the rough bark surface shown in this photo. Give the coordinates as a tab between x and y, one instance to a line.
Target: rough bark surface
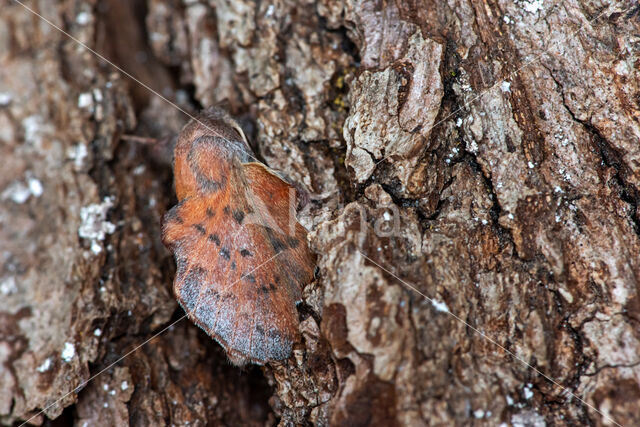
475	167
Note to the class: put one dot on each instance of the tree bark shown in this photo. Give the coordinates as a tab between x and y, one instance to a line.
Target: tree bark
474	169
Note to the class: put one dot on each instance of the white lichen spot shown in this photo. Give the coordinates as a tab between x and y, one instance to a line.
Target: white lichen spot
527	392
94	225
440	306
509	400
8	286
124	385
566	294
473	147
507	20
105	387
528	418
387	216
17	191
505	87
68	352
85	100
531	165
375	323
620	294
78	153
83	18
510	216
532	6
5	99
97	332
32	126
478	413
139	170
557	189
35	187
270	11
96	248
97	95
459	122
45	366
112	392
621	68
106	405
158	37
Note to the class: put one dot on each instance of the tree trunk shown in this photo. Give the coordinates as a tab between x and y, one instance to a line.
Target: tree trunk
474	170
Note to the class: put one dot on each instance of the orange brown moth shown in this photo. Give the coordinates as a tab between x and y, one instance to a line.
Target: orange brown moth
242	258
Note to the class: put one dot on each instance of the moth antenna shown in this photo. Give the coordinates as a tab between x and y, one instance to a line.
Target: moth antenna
139	139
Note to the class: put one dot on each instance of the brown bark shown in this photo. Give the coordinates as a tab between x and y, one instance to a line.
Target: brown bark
471	158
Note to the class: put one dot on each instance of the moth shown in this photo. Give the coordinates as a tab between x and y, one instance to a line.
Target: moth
242	258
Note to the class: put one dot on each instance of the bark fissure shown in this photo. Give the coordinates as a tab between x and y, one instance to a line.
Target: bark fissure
610	158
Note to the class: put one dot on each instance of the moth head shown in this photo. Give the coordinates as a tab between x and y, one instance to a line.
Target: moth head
208	147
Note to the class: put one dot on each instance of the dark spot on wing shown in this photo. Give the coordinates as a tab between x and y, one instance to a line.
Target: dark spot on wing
226	210
233	265
200	228
273	333
245	253
277	244
293	242
229	296
250	278
238	215
210	213
224	253
214	238
207	185
272	287
264	289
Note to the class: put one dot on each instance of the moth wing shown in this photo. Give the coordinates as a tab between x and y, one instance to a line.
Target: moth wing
239	276
277	202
